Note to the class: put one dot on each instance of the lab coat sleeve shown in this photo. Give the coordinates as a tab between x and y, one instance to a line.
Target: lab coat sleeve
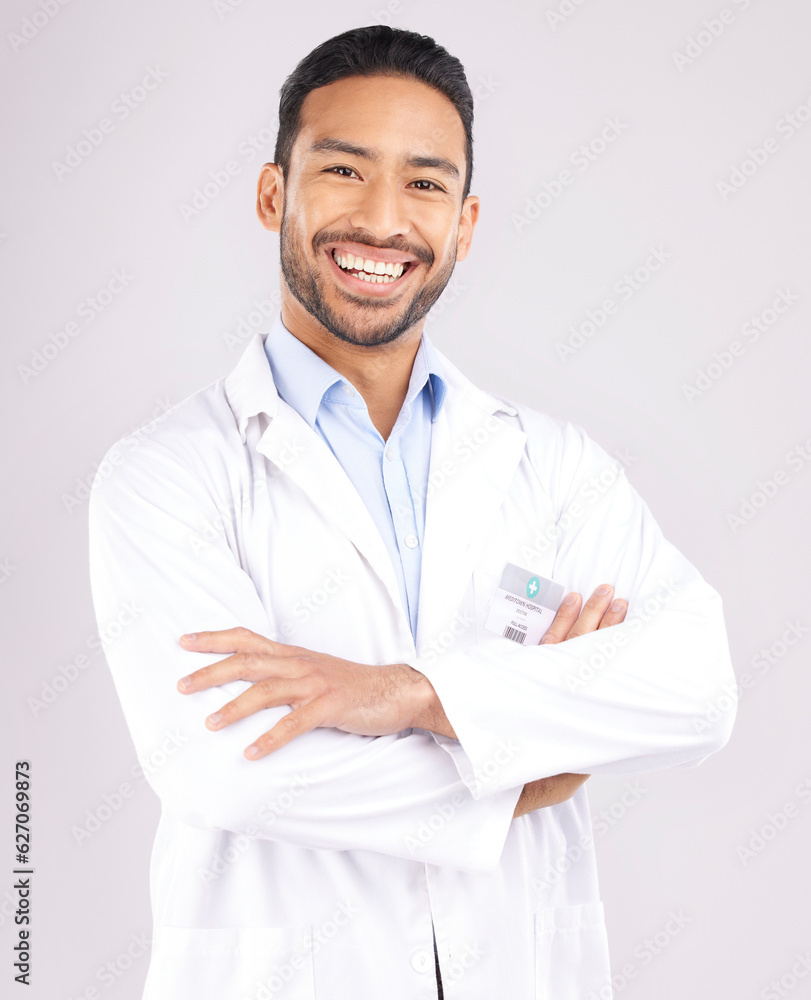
154	577
651	693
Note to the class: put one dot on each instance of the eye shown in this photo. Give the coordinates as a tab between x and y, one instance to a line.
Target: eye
433	185
330	169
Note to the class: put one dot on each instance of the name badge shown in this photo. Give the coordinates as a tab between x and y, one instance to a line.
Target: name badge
523	606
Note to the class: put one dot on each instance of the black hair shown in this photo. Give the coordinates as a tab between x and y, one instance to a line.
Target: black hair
374	50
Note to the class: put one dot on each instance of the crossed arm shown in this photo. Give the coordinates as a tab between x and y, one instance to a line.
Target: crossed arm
326	691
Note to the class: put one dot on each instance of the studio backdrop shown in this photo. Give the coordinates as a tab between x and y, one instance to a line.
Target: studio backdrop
640	267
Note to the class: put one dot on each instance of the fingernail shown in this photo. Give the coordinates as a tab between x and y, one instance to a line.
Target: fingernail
215	718
188	637
617	606
603	590
252	751
184	682
570	599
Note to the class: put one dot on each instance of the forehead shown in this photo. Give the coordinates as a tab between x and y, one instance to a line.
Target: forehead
395	115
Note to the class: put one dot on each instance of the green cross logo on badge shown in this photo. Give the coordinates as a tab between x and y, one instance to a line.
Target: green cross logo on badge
533	586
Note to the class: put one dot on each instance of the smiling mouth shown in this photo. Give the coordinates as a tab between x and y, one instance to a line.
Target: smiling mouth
369	270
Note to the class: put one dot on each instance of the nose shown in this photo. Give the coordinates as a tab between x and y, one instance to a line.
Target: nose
381	210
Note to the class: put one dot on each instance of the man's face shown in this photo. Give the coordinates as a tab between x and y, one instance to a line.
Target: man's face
399	212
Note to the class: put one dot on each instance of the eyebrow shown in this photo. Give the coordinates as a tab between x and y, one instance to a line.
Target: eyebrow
331	145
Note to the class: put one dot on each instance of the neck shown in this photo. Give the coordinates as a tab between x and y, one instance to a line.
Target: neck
380	374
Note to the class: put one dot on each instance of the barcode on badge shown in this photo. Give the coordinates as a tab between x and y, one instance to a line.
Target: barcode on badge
515	634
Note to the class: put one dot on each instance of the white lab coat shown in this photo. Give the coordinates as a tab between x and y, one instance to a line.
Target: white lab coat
319	870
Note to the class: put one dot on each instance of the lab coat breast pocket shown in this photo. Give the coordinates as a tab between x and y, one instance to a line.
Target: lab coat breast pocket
571	953
230	963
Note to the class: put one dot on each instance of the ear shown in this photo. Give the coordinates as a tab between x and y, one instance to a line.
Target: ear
270	197
467	221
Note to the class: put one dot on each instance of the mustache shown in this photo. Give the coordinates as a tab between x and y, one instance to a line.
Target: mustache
362	238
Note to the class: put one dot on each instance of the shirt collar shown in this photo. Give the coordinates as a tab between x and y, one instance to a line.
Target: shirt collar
303	379
249	388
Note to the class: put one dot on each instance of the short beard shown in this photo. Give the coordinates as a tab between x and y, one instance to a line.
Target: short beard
305	286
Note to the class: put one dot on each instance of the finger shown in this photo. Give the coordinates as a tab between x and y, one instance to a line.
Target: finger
593	611
225	640
246	647
296	723
239	667
615	614
563	620
264	694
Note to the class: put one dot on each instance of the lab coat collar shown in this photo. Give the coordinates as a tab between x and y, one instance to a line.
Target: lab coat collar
251	390
249	386
474	456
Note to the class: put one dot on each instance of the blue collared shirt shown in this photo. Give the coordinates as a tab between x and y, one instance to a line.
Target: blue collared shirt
390	476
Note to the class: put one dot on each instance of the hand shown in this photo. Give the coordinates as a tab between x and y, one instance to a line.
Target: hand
598	612
322	690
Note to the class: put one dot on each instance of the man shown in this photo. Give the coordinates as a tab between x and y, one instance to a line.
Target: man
370	769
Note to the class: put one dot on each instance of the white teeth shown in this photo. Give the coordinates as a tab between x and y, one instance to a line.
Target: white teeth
377	270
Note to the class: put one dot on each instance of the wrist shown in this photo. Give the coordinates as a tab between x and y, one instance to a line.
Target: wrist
426	710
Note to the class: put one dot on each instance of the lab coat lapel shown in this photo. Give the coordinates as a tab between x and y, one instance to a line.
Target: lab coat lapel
474	455
298	452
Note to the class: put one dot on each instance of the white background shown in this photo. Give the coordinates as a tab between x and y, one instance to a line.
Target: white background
545	85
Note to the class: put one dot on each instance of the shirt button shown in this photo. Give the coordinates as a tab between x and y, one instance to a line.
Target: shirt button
389	454
411	541
422	961
349	390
